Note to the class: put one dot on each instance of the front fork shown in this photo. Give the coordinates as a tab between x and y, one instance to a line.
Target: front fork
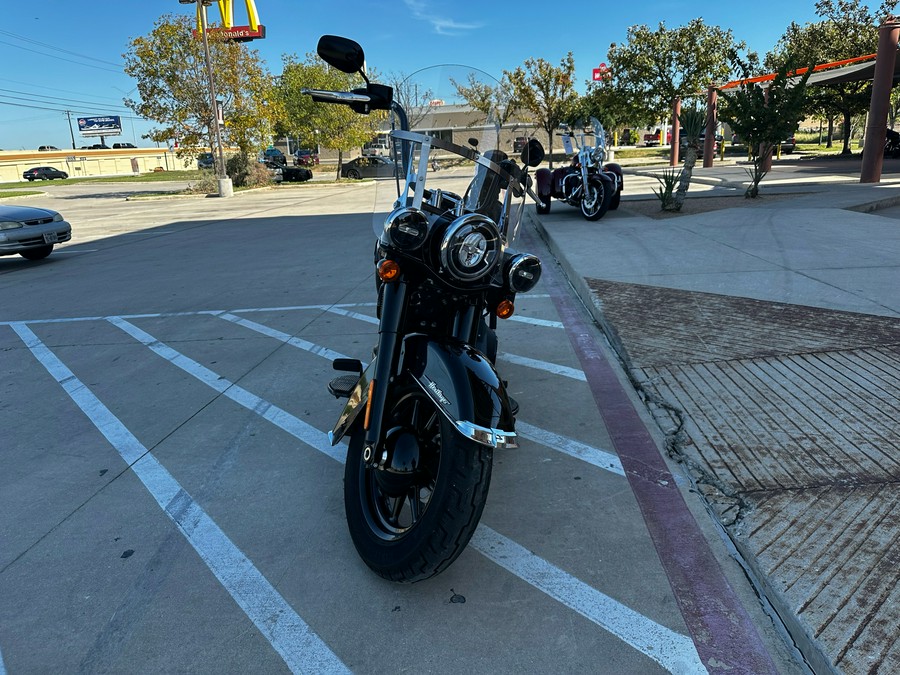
393	303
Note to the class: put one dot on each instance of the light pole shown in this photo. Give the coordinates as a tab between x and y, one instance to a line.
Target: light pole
225	187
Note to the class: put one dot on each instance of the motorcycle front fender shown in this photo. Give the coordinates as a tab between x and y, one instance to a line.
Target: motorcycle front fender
464	386
544	179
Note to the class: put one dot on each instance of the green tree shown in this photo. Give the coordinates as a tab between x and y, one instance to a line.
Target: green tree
170	68
847	30
652	67
604	100
339	127
545	92
495	101
764	116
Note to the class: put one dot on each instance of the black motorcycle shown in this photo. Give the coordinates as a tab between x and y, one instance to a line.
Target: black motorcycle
586	183
424	418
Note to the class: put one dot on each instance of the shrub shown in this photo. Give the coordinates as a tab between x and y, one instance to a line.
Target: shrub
247	172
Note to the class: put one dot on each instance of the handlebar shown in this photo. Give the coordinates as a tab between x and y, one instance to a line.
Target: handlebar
325	96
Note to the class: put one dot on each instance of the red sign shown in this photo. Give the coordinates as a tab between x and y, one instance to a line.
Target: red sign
238	33
600	72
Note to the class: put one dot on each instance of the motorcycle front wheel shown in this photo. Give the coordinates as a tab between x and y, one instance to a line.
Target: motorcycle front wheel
595	202
410	525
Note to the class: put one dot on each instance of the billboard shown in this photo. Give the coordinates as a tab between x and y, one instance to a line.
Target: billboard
110	125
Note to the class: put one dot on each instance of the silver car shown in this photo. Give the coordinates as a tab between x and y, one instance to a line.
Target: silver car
31	232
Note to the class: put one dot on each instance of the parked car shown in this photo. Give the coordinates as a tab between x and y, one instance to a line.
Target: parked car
205	160
274	155
47	148
276	171
305	157
682	141
788	145
122	146
95	146
31	232
296	174
43	173
376	150
368	167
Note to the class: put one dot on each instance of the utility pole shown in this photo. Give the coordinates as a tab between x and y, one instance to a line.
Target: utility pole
225	187
71	133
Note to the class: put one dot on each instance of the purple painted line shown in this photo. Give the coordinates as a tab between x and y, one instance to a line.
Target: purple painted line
720	627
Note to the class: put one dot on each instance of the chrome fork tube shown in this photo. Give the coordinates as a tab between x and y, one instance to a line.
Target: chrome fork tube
392	310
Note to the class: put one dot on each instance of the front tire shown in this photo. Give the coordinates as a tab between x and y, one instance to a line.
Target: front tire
595	203
38	253
410	526
353	173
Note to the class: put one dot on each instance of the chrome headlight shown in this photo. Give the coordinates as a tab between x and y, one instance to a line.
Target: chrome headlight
406	228
9	225
470	248
524	272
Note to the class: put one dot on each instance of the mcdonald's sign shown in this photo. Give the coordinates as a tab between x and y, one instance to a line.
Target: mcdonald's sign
254	30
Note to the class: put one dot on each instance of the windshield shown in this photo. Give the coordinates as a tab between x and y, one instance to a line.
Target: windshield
458	152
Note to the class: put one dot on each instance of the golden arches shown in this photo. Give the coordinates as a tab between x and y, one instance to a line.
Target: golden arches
226	11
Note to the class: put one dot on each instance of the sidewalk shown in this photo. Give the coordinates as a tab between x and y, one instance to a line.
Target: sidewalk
768	341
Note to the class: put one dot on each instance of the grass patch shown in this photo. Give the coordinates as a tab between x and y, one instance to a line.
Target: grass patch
151	177
17	193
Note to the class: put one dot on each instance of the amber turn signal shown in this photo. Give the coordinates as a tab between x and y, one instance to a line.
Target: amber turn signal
505	309
388	270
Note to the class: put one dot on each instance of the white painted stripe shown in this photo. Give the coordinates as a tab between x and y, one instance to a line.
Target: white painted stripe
269	411
635	629
536	322
199	312
352	315
318	350
301	649
554	368
2	665
569	446
76	250
674	652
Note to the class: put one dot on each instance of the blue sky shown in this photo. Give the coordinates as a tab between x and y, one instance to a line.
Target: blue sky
61	55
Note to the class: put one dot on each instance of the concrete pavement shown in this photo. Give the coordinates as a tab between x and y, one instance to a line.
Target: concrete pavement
766	341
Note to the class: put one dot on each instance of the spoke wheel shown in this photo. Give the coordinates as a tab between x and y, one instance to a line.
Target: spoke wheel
596	200
410	521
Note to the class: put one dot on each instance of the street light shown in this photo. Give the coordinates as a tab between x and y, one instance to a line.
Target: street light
225	187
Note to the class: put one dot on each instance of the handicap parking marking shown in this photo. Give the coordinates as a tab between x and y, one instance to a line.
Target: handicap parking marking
673	651
293	639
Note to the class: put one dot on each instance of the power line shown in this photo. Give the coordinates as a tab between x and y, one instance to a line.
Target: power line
59	49
60	58
63	110
65	91
67	101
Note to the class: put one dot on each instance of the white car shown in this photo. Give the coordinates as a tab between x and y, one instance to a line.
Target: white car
31	232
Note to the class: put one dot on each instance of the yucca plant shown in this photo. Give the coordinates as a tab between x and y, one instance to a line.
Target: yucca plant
667	182
693	121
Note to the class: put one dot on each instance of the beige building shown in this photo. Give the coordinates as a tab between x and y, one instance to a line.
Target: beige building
79	163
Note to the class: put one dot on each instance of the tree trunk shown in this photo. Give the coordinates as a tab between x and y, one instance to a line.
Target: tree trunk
690	160
340	162
846	150
830	132
550	152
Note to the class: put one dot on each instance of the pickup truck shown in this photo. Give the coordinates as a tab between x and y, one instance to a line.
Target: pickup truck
652	139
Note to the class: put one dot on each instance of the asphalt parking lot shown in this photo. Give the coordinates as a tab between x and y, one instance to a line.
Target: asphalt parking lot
170	502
